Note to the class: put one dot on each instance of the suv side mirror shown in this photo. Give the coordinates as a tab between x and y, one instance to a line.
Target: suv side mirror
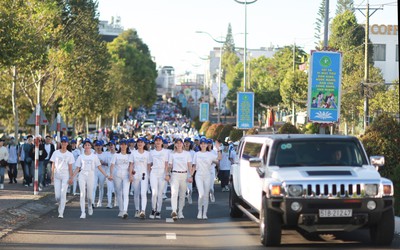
255	162
377	161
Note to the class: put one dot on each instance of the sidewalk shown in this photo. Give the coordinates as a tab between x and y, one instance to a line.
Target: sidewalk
19	206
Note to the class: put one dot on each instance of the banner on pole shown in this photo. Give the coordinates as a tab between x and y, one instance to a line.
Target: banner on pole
245	110
204	111
324	87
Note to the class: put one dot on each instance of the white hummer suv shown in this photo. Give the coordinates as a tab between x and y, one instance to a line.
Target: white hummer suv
317	183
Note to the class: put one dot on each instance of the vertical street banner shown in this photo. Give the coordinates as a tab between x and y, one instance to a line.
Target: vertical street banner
204	111
245	110
324	87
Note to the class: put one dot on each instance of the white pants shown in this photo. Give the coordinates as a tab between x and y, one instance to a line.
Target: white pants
212	179
203	187
121	186
140	194
86	182
189	186
99	180
60	190
178	189
157	183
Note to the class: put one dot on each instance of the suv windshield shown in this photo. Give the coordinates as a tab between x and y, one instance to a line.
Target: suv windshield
318	153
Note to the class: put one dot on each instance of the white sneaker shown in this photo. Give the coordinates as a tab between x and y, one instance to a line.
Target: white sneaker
40	189
137	214
60	216
1	186
142	215
99	204
75	194
152	215
199	216
223	189
121	213
180	215
131	193
205	216
90	210
158	215
83	215
212	197
227	188
109	206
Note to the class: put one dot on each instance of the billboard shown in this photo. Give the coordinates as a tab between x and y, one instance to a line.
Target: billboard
245	110
204	111
324	86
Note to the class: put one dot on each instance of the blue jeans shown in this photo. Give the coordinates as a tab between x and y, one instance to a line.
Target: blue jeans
29	172
2	171
41	172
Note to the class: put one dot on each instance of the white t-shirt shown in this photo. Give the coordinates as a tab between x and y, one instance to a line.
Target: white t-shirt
203	161
102	158
87	163
121	164
158	158
140	162
180	161
61	161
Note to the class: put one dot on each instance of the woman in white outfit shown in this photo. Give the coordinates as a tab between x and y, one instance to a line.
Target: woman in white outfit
121	173
202	164
213	166
62	174
187	146
110	184
86	165
159	166
75	152
179	164
99	178
140	161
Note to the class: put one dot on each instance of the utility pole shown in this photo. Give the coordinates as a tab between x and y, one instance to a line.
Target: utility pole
366	63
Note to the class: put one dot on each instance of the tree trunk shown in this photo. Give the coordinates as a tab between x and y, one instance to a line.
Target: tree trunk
14	104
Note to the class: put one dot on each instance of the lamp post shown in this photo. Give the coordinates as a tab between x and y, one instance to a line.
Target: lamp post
219	73
245	3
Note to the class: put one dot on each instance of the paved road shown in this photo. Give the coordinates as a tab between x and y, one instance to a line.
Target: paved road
104	230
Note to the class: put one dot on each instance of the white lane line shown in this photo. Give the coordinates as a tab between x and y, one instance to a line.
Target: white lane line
169	220
168	208
170	236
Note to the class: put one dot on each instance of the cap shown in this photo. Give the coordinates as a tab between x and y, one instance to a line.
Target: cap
64	139
158	137
98	143
203	140
142	139
131	140
87	140
178	139
73	141
187	139
209	141
165	141
123	141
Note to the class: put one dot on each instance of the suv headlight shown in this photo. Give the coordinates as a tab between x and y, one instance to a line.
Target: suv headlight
371	189
295	190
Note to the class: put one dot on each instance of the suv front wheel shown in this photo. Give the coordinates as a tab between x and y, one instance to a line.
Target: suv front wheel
270	225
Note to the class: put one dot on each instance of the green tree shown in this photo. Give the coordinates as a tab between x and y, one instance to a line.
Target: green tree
319	25
344	5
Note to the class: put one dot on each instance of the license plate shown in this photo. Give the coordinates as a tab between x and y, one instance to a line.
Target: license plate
332	213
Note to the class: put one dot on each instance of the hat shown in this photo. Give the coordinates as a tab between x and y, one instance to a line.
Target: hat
64	139
142	139
165	141
131	140
203	140
209	141
87	140
196	138
123	141
111	142
178	139
73	141
158	137
187	139
98	143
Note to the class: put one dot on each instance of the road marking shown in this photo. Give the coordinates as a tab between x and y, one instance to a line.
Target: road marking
168	208
169	220
170	236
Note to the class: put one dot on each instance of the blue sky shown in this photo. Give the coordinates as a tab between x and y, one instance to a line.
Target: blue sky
169	27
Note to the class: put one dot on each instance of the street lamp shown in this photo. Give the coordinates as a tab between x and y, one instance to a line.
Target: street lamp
245	3
219	73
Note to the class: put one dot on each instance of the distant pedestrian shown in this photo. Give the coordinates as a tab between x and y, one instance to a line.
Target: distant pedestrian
3	162
42	157
202	164
179	164
140	160
86	165
50	148
110	184
214	166
28	160
99	178
75	152
13	158
62	174
228	156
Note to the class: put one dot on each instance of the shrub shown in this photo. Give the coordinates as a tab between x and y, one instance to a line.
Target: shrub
382	137
204	127
214	130
236	134
311	128
196	123
226	130
288	128
252	131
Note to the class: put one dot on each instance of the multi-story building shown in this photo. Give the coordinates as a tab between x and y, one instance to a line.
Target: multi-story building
109	31
166	81
385	38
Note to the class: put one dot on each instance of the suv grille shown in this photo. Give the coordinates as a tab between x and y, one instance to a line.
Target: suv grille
330	190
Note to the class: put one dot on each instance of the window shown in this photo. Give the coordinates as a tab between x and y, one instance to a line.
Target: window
251	150
379	52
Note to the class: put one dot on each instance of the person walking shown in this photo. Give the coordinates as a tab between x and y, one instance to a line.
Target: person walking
214	166
62	174
42	157
99	178
50	148
86	165
121	174
159	166
227	158
179	164
110	184
187	146
28	161
140	161
75	152
202	164
13	157
3	162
